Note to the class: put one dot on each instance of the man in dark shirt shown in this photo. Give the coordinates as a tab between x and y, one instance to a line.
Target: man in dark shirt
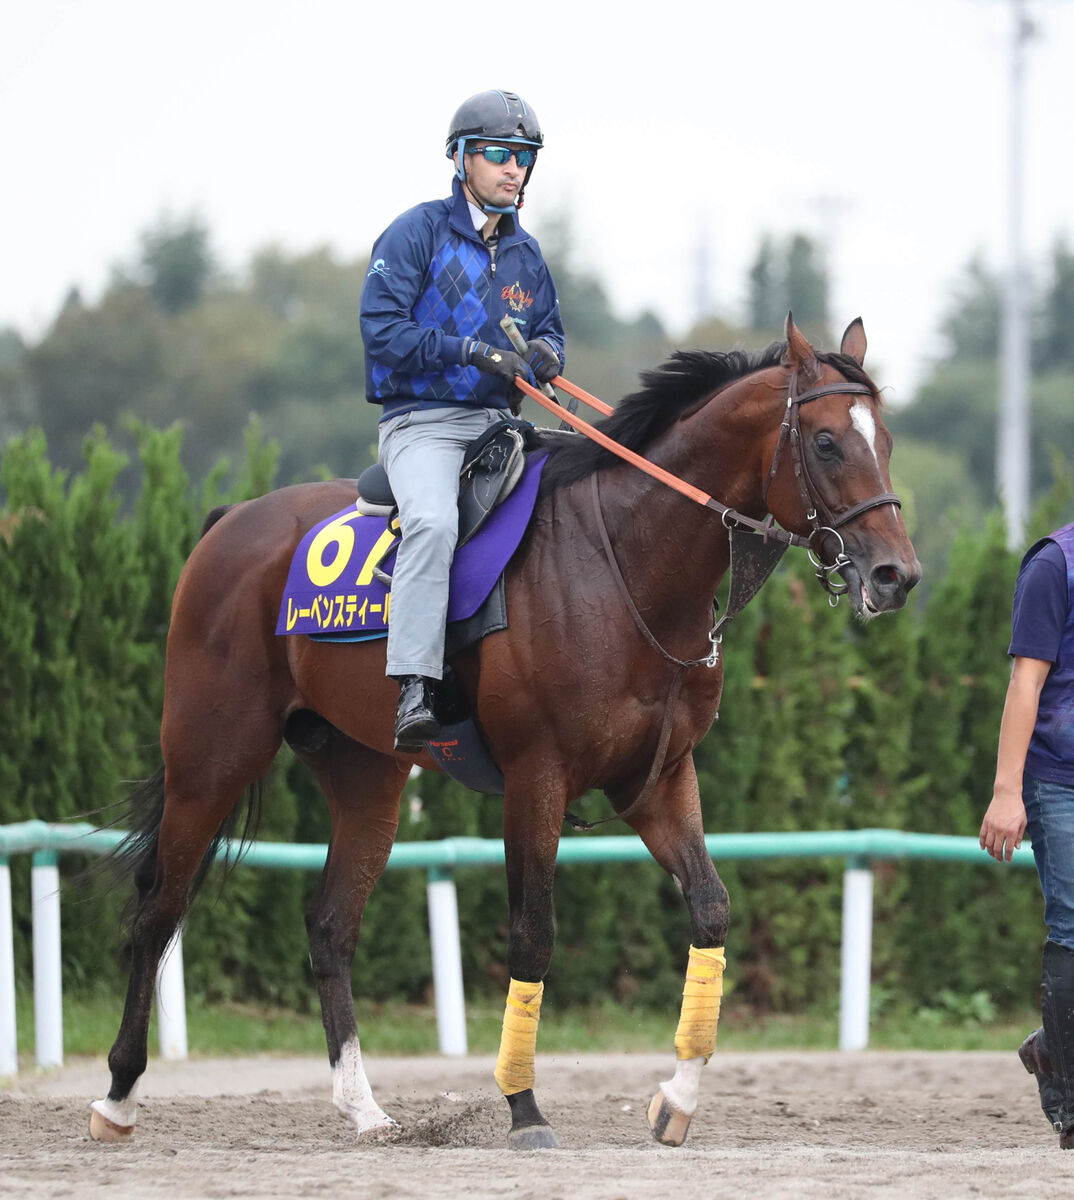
1034	793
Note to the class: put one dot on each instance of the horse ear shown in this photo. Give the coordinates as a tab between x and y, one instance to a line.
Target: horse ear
800	355
854	343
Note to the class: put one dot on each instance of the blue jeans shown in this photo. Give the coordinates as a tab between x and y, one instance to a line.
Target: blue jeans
1050	827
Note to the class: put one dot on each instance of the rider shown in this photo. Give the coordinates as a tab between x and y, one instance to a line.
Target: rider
441	277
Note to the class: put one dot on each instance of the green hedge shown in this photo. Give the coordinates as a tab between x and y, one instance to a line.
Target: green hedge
826	723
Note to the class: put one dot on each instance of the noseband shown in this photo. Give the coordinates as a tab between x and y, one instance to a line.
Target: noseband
826	524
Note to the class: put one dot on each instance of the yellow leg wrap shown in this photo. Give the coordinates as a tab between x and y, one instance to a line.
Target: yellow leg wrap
518	1042
696	1034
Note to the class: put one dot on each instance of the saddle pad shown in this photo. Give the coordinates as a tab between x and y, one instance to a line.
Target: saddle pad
331	588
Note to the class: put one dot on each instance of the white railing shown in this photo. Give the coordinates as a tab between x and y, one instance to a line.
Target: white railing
858	847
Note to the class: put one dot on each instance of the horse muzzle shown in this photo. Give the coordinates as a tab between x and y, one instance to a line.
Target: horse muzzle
881	588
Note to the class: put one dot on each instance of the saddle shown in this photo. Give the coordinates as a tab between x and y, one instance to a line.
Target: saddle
491	469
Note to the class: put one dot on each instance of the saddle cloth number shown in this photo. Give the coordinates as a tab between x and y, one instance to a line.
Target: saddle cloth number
340	534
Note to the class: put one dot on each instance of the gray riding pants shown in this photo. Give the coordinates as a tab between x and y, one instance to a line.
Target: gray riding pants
422	452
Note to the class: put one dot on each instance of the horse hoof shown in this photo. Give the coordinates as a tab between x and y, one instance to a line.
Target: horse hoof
103	1130
669	1126
532	1137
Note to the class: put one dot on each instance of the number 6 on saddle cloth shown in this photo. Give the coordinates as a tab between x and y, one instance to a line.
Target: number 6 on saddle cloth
492	466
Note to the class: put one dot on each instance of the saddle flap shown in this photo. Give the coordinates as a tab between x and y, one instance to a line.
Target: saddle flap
493	467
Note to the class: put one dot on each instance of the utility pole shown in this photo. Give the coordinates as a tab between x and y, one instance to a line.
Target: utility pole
1012	434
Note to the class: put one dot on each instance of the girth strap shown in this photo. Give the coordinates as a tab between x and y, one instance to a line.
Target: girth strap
655	771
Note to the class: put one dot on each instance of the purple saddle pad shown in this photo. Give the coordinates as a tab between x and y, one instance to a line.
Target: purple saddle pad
331	590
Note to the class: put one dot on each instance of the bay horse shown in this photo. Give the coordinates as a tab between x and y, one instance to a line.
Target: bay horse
605	678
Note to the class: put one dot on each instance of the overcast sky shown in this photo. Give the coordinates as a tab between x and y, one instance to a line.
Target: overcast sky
881	127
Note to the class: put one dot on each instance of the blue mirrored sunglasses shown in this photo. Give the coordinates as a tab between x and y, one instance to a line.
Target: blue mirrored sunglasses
501	154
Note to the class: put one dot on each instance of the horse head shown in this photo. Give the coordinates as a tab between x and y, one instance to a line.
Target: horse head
827	473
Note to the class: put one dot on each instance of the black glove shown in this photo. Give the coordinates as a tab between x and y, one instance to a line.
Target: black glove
543	360
504	364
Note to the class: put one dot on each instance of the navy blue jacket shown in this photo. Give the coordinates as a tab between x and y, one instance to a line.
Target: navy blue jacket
432	284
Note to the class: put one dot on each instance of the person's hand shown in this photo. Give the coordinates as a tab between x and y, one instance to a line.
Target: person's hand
543	360
1003	825
504	364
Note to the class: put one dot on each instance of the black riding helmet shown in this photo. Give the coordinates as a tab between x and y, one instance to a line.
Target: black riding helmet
494	116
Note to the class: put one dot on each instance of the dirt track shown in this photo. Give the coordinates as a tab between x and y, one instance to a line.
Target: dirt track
874	1125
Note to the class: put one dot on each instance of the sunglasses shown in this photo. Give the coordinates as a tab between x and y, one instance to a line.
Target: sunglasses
501	154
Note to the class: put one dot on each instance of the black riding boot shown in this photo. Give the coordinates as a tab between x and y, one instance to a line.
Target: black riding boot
1057	1011
415	721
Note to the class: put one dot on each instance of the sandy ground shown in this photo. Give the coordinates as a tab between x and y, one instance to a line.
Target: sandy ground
783	1125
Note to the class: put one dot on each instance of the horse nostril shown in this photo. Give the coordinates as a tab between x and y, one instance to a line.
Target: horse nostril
888	577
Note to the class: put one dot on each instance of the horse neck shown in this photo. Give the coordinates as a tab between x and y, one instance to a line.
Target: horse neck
672	551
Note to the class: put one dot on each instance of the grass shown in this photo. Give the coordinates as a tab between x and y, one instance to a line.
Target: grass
90	1024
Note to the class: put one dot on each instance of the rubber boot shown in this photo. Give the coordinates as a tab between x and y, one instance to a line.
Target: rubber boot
1034	1055
1057	1010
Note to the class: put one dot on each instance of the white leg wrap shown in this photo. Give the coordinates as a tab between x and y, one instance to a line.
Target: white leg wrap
683	1089
351	1092
119	1112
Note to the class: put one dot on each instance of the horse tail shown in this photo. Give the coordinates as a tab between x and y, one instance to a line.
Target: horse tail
135	857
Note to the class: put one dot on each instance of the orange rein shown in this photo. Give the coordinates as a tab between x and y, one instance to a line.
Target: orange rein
572	389
602	439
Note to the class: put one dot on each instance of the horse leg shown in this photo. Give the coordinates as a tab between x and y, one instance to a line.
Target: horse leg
196	791
531	840
363	790
671	827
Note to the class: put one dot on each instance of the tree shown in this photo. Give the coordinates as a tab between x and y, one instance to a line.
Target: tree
1055	345
789	276
16	405
806	283
176	262
972	320
766	309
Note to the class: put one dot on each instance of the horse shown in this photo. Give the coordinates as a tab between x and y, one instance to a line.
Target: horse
606	677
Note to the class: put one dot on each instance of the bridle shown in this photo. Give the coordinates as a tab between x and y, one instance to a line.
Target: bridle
826	523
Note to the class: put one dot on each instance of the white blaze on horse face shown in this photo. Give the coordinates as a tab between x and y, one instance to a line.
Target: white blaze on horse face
862	420
351	1092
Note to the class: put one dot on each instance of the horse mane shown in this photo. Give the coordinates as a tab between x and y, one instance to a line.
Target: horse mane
667	393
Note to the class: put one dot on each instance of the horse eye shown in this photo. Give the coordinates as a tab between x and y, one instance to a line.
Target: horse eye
826	444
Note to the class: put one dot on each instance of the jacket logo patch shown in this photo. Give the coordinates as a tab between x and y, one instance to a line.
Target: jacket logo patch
517	297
